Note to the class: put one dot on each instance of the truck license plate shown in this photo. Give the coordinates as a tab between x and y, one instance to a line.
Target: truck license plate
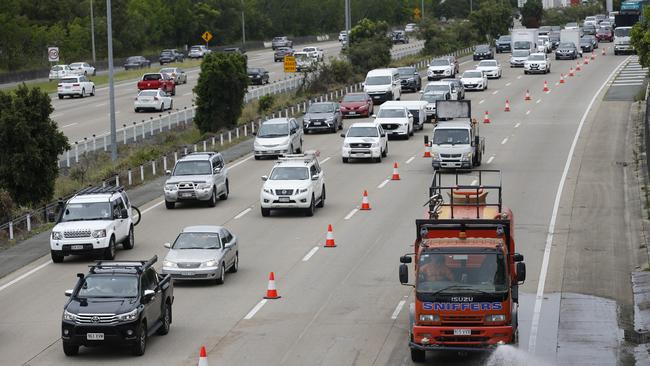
188	273
284	199
95	336
186	195
76	247
462	332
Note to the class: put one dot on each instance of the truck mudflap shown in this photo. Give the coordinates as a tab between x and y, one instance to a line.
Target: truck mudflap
428	338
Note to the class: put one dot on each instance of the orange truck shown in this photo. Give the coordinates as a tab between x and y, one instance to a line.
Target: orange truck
467	272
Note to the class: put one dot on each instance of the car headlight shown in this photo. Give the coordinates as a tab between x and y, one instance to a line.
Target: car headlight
346	145
495	318
171	187
466	156
57	235
303	190
69	316
435	155
98	234
266	190
375	144
429	318
203	186
330	119
167	263
447	72
130	316
210	263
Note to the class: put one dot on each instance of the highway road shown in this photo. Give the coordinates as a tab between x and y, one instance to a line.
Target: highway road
339	306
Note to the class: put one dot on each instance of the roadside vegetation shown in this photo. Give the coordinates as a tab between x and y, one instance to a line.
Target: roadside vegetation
640	38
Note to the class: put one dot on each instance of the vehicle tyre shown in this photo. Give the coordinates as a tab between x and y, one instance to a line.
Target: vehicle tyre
92	94
166	321
170	205
171	105
224	195
411	133
525	72
235	264
291	151
385	152
56	258
334	128
213	198
266	211
83	93
129	242
162	107
321	203
257	157
109	252
70	349
341	124
222	274
418	355
174	91
141	345
309	211
345	160
60	96
377	159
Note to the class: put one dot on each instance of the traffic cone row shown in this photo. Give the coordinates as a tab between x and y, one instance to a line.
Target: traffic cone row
271	291
395	172
561	78
329	241
486	119
586	61
527	97
604	51
365	204
507	108
546	89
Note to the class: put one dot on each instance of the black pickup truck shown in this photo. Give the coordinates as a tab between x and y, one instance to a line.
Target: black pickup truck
119	303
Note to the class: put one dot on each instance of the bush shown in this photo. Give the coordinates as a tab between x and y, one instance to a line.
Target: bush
7	206
265	103
332	75
442	38
369	46
561	16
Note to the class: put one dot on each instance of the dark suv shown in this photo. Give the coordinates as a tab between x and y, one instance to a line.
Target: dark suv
323	116
136	62
503	44
119	303
410	78
169	56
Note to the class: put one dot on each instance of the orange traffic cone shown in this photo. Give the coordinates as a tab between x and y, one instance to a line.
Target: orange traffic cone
604	52
578	66
561	78
586	61
271	292
507	108
203	357
427	150
527	97
395	172
329	242
571	71
593	55
365	205
546	89
486	119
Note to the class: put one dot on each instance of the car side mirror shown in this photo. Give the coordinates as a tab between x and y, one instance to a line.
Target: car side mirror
265	178
254	133
363	85
124	213
521	271
342	135
374	115
403	274
168	172
421	91
68	293
383	134
314	177
518	257
405	259
148	295
410	115
229	245
217	170
167	245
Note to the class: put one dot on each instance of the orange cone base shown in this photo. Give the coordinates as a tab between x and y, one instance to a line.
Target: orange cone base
330	244
272	296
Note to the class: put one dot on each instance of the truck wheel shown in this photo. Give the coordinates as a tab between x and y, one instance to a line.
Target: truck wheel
321	203
222	274
266	211
170	205
70	349
418	355
56	258
213	198
129	242
235	264
345	160
109	252
141	344
385	152
166	321
309	211
224	196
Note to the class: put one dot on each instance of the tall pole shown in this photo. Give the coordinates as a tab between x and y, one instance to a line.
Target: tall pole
92	33
111	83
347	19
422	10
243	26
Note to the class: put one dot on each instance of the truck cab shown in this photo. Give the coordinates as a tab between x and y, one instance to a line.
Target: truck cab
456	141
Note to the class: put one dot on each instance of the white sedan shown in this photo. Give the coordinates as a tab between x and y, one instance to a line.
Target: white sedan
156	100
60	71
474	80
491	68
75	85
83	68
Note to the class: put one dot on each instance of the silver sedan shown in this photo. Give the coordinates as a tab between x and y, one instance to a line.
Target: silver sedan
176	73
202	253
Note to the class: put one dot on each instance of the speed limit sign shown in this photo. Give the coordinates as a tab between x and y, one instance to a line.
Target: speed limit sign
53	54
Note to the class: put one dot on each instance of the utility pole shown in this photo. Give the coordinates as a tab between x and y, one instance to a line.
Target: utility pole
347	20
243	27
422	10
92	32
111	82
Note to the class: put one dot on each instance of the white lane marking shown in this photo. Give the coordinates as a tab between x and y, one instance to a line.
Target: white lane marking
69	125
490	159
255	309
508	84
24	275
538	101
534	328
152	207
241	162
518	77
100	104
466	62
410	160
557	83
548	92
518	124
481	102
241	214
503	142
348	216
310	254
383	184
399	307
528	112
474	182
188	93
325	160
495	92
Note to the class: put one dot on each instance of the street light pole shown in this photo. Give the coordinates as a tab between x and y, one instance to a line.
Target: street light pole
422	10
92	32
111	83
347	20
243	27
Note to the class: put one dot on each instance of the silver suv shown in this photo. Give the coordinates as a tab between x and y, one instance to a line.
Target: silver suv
199	176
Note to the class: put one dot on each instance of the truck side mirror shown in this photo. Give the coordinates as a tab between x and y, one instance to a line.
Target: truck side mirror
342	135
68	293
167	245
403	274
405	259
521	271
518	257
124	213
148	295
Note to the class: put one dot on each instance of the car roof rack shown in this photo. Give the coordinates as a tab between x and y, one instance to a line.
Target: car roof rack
197	153
122	266
100	190
307	156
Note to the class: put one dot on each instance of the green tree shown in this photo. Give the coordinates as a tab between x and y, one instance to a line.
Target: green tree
369	45
640	38
492	19
220	91
531	13
30	144
440	38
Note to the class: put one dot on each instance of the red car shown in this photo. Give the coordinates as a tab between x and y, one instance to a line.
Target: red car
605	34
158	81
356	104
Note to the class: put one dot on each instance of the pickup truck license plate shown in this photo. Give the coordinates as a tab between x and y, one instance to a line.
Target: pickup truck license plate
284	199
462	332
76	247
95	336
188	273
186	195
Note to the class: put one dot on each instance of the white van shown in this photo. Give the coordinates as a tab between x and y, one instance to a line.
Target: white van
418	109
383	85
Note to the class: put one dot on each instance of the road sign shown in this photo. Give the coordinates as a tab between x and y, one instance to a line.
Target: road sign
416	14
207	36
290	64
53	54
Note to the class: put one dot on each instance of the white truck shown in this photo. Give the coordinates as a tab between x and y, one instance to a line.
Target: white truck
571	35
456	142
622	40
524	38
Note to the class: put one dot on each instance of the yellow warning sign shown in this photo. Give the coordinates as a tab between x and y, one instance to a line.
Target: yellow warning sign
207	36
416	14
290	64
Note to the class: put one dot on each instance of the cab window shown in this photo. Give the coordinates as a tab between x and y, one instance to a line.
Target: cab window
118	205
312	170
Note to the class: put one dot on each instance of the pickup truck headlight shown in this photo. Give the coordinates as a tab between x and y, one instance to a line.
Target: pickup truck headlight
169	264
429	318
346	145
303	190
69	316
266	190
375	144
494	318
98	234
211	263
466	156
57	235
203	186
171	187
130	316
435	155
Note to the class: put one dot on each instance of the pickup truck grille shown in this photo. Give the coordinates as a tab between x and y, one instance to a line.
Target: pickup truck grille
73	234
456	156
284	192
96	318
361	145
189	265
186	185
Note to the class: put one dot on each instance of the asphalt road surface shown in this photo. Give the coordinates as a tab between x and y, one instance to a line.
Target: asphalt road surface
337	305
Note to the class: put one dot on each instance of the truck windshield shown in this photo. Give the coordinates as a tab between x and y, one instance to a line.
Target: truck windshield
193	168
363	132
378	80
83	211
451	136
454	273
522	45
622	32
109	286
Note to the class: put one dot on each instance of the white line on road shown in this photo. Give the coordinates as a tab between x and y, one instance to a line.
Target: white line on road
325	160
69	125
241	162
188	93
508	84
527	112
24	275
255	309
518	77
481	102
241	214
490	159
383	184
538	101
152	207
310	254
399	307
57	115
534	328
410	160
503	142
348	216
557	83
100	105
495	92
518	124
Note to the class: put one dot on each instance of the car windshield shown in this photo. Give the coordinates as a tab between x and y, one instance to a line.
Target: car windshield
68	80
321	108
362	132
439	62
603	31
504	39
622	32
57	68
391	113
289	173
488	63
193	168
536	58
451	136
83	211
308	49
520	53
195	48
566	45
109	286
278	39
472	74
152	77
148	93
354	98
197	241
406	72
378	80
554	37
461	273
132	59
570	25
167	71
432	97
166	53
436	88
273	130
482	49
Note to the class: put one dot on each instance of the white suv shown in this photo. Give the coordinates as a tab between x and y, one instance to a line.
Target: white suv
441	68
396	121
75	85
364	140
295	182
537	62
199	176
92	222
